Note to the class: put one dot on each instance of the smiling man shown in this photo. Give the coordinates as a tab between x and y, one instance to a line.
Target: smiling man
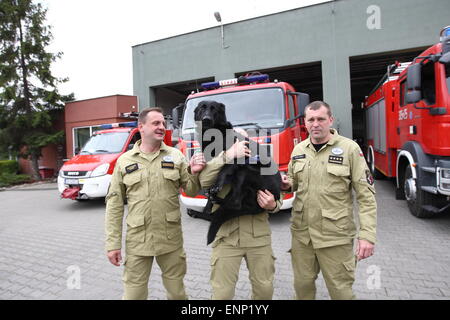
149	178
323	171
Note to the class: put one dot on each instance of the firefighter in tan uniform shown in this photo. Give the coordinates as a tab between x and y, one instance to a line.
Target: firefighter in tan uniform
148	177
323	171
247	237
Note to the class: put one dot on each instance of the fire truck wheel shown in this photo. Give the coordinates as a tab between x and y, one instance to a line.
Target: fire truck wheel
415	196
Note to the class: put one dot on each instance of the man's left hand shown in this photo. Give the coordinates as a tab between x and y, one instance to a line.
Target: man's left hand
364	249
266	200
197	162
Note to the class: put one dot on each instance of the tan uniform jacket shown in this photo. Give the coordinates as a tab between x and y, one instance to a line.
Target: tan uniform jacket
243	231
323	181
150	183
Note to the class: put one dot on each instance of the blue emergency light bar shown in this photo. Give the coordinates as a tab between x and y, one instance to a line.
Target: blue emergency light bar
131	124
231	82
445	32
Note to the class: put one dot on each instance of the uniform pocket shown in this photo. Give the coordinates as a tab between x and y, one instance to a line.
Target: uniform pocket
173	225
261	225
171	174
171	180
338	178
135	188
135	228
335	221
347	272
299	173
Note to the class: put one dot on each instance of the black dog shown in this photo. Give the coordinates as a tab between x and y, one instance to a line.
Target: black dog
245	179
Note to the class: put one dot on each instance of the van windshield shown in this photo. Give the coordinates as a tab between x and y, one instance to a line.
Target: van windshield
111	142
257	108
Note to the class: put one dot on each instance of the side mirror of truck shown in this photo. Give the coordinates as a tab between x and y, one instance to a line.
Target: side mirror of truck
414	83
177	112
445	59
302	102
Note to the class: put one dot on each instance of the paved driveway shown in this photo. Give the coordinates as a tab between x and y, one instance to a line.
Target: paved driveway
49	244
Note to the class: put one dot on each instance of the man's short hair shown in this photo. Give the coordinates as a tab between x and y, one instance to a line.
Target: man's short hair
316	105
143	114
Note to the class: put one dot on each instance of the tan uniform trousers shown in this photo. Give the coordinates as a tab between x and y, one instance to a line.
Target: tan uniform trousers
336	263
137	272
225	265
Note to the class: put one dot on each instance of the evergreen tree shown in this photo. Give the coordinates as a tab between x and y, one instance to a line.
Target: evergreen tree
29	98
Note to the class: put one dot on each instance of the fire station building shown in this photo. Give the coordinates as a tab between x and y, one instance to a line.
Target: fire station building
335	51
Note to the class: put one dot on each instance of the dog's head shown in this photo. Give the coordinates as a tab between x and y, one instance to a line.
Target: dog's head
211	114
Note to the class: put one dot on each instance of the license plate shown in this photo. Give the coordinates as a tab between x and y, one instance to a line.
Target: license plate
71	181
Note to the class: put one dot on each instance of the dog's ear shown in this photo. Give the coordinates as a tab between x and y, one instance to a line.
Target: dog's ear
198	111
221	107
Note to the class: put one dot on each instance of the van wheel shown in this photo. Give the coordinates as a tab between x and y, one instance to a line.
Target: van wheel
415	196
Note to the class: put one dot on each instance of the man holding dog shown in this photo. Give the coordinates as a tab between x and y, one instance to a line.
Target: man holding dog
246	236
323	171
148	177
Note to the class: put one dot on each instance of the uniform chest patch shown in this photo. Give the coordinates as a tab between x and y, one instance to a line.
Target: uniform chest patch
335	159
300	156
131	168
167	164
337	151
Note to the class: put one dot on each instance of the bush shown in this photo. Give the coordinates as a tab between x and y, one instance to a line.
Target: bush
9	166
7	179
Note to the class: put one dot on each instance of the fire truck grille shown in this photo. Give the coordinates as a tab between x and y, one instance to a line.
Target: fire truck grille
74	174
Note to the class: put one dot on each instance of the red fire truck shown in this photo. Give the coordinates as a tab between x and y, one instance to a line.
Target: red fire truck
408	129
270	112
88	174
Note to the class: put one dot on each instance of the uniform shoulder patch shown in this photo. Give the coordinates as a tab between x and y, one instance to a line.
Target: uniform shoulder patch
298	157
131	168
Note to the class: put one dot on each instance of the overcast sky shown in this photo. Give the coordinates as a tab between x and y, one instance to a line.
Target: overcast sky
96	36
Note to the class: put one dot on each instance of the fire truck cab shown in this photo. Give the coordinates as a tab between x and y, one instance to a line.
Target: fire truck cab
270	112
408	129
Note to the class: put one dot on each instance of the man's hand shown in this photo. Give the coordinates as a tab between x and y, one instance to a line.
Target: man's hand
115	257
238	150
364	249
285	183
266	200
197	162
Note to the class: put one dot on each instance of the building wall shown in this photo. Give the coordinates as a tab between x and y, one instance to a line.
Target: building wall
330	32
93	112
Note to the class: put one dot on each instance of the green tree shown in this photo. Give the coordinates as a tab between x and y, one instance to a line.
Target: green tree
29	97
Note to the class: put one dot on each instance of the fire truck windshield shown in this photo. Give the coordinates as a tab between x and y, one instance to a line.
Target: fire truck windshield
258	108
111	142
